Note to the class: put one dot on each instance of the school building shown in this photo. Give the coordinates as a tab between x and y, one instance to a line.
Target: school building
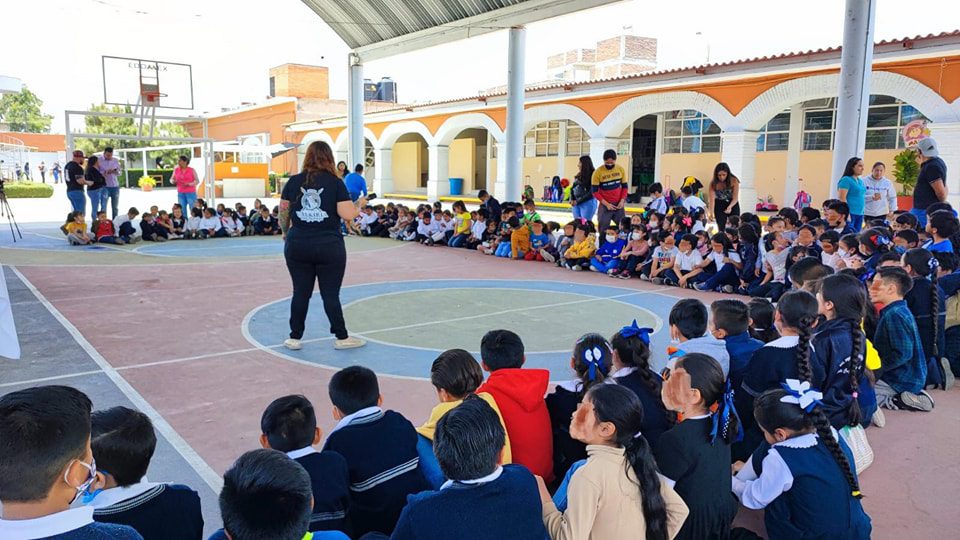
770	118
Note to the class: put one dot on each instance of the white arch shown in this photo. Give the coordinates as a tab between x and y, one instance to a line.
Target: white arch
396	130
630	110
343	141
775	100
319	135
452	127
560	111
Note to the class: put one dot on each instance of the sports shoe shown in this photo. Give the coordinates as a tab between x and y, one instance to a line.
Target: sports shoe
349	343
612	272
691	285
916	402
547	256
594	268
624	275
293	344
949	379
728	289
644	277
576	268
135	239
669	282
657	281
878	419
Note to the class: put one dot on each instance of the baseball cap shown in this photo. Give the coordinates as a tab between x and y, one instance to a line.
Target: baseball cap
928	147
78	153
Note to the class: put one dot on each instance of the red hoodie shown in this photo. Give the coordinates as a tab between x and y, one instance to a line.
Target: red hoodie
519	395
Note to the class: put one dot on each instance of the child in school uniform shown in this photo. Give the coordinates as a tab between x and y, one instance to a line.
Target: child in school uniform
229	224
774	266
455	375
178	221
727	264
830	244
663	258
380	448
266	225
123	442
123	225
688	265
151	230
581	250
210	225
632	369
688	329
694	454
927	303
289	424
658	203
191	229
944	230
633	253
428	229
747	248
807	483
606	260
46	465
730	321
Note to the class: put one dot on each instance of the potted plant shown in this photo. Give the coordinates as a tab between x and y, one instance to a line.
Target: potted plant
905	172
147	183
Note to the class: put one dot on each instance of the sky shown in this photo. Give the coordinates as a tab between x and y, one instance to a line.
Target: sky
55	46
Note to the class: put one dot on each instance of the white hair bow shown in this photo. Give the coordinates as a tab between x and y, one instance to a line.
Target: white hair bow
800	393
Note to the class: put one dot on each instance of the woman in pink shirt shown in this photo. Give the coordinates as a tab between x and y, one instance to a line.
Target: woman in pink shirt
185	178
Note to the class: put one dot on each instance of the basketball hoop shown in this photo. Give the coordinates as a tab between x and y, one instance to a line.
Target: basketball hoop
151	98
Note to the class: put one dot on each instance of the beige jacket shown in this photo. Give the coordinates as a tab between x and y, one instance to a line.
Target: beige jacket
604	503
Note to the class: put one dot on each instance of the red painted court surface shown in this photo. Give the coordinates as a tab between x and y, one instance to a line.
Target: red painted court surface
171	333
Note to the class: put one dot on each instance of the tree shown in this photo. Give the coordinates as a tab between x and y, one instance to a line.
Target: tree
23	112
127	126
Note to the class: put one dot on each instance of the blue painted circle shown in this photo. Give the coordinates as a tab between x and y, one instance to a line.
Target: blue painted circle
267	326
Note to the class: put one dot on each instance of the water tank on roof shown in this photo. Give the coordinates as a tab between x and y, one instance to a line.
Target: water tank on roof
387	90
369	90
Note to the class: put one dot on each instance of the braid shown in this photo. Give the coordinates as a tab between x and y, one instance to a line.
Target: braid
803	349
825	432
935	313
854	417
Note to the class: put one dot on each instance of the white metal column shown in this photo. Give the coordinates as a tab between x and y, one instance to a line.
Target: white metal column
739	151
383	180
794	143
658	149
515	80
355	144
562	149
856	60
500	183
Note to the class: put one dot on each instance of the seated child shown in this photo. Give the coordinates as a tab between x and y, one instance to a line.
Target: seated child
478	226
581	250
461	225
591	362
606	260
384	473
897	341
830	244
632	369
519	239
727	264
563	239
664	256
152	231
774	266
366	220
104	232
808	485
618	492
192	228
928	304
633	253
483	498
228	224
210	225
694	454
838	217
123	225
905	221
507	229
948	278
905	239
944	230
489	238
267	495
123	442
538	241
246	228
427	229
730	321
762	325
266	225
46	464
519	396
289	424
658	203
690	201
178	221
163	220
446	224
688	327
688	265
530	213
76	229
455	374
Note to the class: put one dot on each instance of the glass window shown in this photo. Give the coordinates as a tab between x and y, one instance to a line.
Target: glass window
818	140
710	144
818	120
878	139
775	133
578	142
542	140
686	132
886	118
671	146
882	117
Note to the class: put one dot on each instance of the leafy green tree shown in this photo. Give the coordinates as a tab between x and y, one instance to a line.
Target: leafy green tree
128	126
24	112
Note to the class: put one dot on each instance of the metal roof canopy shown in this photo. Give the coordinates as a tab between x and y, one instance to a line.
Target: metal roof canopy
376	29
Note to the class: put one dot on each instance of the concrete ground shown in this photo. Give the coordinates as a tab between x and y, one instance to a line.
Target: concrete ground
189	332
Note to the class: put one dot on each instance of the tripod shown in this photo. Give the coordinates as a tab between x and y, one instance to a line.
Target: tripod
5	210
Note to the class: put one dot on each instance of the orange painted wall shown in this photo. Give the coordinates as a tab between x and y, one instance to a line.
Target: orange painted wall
261	120
770	175
43	142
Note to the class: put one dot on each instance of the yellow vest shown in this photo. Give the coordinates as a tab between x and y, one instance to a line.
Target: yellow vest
430	426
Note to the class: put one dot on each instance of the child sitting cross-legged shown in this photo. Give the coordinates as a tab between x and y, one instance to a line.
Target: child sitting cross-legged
455	374
563	239
726	262
775	267
904	371
267	495
538	241
76	229
633	253
483	497
520	238
289	424
662	260
46	464
123	442
578	255
104	231
606	260
618	493
191	229
380	448
688	266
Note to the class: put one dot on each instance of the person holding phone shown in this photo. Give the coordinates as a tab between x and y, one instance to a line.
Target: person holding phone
881	195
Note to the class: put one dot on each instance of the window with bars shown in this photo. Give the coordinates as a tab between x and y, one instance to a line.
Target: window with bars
886	118
543	140
578	142
689	132
775	134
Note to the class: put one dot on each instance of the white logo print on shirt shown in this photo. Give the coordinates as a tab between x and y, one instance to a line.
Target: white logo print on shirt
310	211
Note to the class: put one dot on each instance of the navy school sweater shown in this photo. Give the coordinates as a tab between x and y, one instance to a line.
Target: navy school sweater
163	512
381	452
330	479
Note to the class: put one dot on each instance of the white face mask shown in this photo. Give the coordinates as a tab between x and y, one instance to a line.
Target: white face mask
611	238
842	252
635	236
653	224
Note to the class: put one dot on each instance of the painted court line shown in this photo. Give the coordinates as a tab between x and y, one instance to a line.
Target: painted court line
52	378
159	422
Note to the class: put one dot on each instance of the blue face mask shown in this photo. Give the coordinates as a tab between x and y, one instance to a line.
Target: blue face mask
83	488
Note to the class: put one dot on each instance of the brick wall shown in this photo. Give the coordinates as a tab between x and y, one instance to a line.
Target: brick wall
608	49
302	81
640	48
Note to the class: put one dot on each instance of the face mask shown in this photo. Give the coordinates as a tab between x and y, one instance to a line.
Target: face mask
611	238
609	167
842	252
635	236
85	486
654	224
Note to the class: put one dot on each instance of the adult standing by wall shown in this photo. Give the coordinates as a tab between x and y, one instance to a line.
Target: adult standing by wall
356	183
56	172
931	182
43	171
609	185
110	169
724	192
96	184
881	195
851	190
186	180
73	177
310	206
582	201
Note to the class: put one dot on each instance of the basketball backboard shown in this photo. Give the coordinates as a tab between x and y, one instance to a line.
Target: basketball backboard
167	85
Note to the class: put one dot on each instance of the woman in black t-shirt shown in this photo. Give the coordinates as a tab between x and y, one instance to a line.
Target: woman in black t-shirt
724	193
95	187
311	207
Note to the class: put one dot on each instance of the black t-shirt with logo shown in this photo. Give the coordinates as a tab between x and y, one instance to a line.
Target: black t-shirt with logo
313	205
74	178
930	171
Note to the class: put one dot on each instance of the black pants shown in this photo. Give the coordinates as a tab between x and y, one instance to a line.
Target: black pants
604	217
310	262
720	213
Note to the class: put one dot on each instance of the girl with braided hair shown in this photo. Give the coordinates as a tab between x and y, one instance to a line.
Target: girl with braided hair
592	360
839	350
873	244
807	483
631	364
775	362
696	452
928	305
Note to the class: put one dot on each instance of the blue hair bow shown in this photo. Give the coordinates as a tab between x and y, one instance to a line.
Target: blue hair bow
635	330
721	418
594	359
800	393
